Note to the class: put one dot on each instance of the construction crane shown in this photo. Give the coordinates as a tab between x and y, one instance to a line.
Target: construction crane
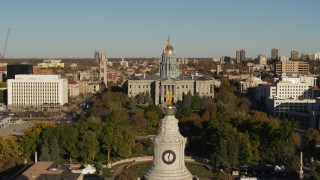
2	56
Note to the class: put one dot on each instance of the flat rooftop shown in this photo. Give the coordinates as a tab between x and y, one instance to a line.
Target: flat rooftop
40	170
36	170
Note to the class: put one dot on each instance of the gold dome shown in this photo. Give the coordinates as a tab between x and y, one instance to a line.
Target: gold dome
168	49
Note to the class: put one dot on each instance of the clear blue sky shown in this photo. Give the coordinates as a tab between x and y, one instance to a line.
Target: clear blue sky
139	28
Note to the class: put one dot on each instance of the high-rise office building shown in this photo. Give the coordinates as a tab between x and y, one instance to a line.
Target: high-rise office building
15	69
241	56
274	54
294	55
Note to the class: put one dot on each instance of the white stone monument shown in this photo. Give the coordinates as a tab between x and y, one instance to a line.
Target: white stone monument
169	145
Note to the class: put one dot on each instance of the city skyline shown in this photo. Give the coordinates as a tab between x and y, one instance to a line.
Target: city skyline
138	29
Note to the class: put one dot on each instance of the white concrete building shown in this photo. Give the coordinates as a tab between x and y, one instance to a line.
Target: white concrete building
317	56
296	87
262	60
284	58
124	63
37	92
74	66
293	97
251	82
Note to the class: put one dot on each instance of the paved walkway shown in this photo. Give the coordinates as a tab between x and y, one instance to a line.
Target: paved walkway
125	162
118	170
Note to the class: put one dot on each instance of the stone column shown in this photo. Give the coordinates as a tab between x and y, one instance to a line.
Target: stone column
301	166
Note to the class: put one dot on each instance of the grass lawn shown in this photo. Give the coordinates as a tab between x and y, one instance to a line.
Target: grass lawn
109	172
151	131
199	170
138	170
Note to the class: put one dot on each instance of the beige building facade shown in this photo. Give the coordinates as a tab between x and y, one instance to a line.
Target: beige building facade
88	87
291	67
51	63
37	92
73	89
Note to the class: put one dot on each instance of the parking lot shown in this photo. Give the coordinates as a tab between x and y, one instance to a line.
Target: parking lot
16	128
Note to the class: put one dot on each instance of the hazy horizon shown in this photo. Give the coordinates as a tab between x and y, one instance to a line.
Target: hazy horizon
203	29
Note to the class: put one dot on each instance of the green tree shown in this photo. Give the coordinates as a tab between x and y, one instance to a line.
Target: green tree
204	102
184	111
140	98
99	109
210	110
117	136
8	146
31	138
127	141
155	109
153	118
109	141
312	140
187	100
282	144
196	102
244	105
44	152
3	84
54	149
233	152
245	148
315	170
88	146
220	157
139	123
68	142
